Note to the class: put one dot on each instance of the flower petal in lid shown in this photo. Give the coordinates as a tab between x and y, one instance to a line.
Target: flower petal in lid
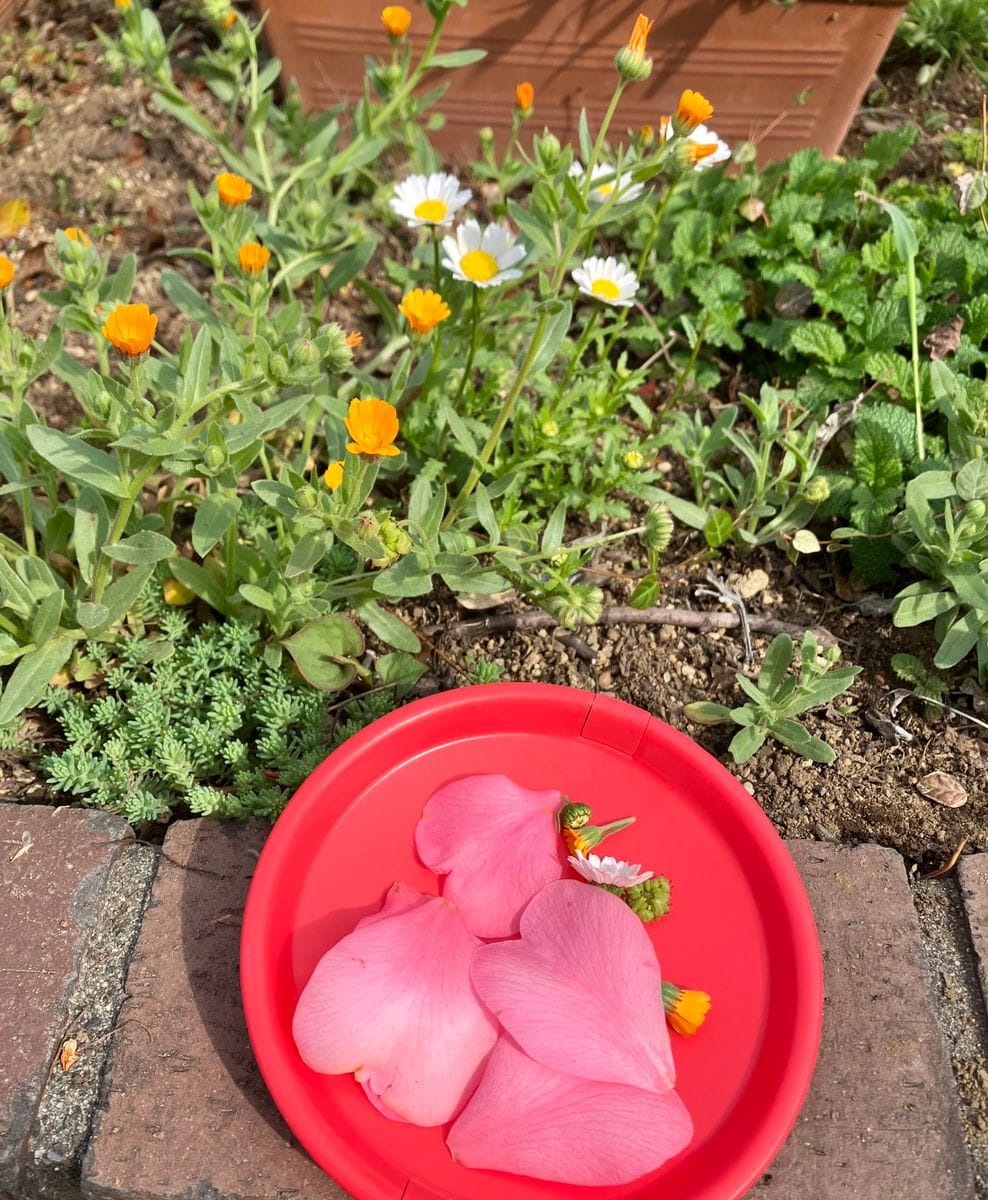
529	1119
496	843
393	1003
581	992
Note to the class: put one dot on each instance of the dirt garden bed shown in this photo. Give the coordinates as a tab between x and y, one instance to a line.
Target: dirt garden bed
96	152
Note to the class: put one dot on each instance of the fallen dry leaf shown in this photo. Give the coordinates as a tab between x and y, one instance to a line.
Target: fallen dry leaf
68	1056
943	789
14	215
944	339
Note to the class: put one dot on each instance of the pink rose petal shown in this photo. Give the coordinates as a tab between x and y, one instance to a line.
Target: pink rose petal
393	1003
531	1120
581	992
497	844
379	1104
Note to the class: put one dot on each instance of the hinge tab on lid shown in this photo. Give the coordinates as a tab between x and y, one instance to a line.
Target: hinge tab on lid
616	724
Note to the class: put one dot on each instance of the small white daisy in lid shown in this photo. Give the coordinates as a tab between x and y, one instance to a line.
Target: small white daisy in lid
703	148
612	871
482	257
429	199
608	280
623	185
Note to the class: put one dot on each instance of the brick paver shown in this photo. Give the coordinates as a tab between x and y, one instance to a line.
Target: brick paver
188	1115
881	1121
53	865
972	878
187	1112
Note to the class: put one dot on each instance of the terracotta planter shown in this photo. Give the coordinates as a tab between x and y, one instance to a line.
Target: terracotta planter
786	77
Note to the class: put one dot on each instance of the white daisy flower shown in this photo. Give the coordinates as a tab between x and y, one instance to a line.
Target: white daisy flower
429	200
705	149
626	189
609	870
484	258
608	280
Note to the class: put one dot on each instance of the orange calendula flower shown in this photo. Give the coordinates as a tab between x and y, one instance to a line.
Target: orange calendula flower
78	235
6	272
333	476
233	189
131	328
253	258
524	98
423	310
227	20
639	35
373	425
354	339
692	110
686	1009
122	4
396	20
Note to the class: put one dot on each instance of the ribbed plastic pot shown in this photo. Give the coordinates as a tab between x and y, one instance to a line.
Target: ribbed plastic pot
785	76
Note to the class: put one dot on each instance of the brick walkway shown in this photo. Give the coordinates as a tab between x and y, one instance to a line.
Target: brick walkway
109	948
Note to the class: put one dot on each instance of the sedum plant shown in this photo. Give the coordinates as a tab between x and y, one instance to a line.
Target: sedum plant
777	697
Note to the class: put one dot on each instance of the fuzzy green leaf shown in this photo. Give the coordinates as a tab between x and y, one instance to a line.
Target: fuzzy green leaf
322	651
78	460
30	677
389	628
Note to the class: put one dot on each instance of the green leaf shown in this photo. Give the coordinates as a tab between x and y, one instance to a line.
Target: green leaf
801	741
258	597
555	527
195	383
399	670
685	510
78	460
406	578
705	712
213	518
718	527
746	741
307	553
190	301
486	515
556	329
876	457
324	649
960	639
349	265
391	629
775	664
46	618
120	597
91	616
819	339
971	480
646	593
458	428
805	542
143	547
200	583
919	603
30	677
91	525
457	58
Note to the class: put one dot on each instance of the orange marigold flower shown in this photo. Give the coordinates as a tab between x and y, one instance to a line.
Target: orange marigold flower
697	151
122	4
639	35
423	310
686	1010
233	189
253	258
354	339
692	110
373	425
227	20
333	475
131	327
396	20
6	272
78	235
524	97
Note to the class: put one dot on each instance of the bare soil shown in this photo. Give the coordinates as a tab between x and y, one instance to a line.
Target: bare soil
100	155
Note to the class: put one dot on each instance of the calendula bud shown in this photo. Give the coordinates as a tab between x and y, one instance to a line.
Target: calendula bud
304	354
524	98
817	490
634	460
214	457
307	498
368	525
278	369
396	542
686	1009
485	136
975	509
337	354
548	151
632	63
658	529
176	594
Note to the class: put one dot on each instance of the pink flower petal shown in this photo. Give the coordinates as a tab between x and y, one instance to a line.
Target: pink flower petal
379	1104
581	991
496	842
393	1003
531	1120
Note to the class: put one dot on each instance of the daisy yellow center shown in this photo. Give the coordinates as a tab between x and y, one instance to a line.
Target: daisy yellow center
607	289
431	210
478	265
605	189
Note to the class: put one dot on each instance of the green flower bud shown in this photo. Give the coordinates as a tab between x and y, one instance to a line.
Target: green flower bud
214	457
304	354
336	354
648	900
548	151
367	525
632	66
396	540
817	490
307	498
278	369
658	530
975	509
313	211
485	135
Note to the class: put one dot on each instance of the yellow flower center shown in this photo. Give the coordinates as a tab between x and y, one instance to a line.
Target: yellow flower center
478	265
606	288
431	210
604	189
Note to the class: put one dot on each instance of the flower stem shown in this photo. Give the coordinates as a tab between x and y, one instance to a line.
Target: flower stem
581	346
435	258
474	331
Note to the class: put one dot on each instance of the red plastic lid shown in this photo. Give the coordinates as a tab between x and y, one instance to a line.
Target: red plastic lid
740	928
